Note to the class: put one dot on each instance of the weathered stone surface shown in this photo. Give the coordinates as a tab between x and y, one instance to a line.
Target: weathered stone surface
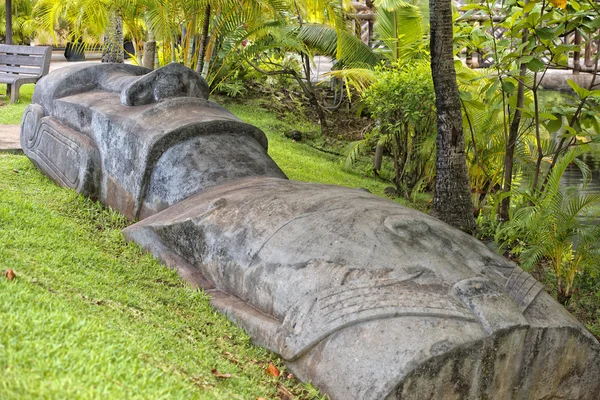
144	158
172	80
69	159
371	300
363	297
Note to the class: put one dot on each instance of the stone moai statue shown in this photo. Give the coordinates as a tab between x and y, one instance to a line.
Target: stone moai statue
138	140
363	297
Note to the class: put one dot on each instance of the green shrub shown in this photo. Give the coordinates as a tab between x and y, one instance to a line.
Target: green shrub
402	102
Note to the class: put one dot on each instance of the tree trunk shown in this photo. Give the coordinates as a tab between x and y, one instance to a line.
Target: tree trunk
149	54
203	40
112	50
509	156
513	133
9	35
452	199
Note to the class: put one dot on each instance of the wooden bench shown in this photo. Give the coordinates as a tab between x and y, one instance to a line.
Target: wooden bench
22	64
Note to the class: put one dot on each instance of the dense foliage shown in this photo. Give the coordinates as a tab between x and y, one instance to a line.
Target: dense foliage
402	102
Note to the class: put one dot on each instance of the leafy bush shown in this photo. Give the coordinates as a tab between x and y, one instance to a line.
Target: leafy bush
402	102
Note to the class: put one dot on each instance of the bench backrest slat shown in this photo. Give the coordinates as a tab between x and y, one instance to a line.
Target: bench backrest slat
35	71
11	59
25	50
15	59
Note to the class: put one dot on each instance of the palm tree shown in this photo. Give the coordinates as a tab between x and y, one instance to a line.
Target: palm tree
112	49
452	198
20	27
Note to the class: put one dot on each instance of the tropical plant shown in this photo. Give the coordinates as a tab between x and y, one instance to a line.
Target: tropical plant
402	27
529	45
23	23
402	102
555	227
483	127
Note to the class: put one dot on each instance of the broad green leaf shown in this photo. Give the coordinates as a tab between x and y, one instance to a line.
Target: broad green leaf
575	5
465	96
581	92
492	89
529	6
547	116
595	125
526	59
536	65
545	33
554	125
508	86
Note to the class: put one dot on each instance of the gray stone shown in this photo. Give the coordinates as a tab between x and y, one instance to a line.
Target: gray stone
556	79
68	158
138	159
365	298
172	80
370	300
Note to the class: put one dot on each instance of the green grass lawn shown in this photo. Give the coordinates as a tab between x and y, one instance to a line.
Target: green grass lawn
90	316
302	162
12	113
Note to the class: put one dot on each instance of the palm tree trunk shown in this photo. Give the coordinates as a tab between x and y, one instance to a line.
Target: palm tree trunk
452	199
112	51
149	54
204	40
9	35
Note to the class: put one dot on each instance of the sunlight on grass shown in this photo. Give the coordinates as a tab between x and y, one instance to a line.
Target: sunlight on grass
302	162
12	113
90	316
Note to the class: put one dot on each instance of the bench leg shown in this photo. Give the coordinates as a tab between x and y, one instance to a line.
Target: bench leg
14	92
8	89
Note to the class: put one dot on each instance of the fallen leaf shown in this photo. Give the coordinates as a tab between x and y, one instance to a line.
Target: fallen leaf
219	374
260	398
273	371
290	376
10	274
16	171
